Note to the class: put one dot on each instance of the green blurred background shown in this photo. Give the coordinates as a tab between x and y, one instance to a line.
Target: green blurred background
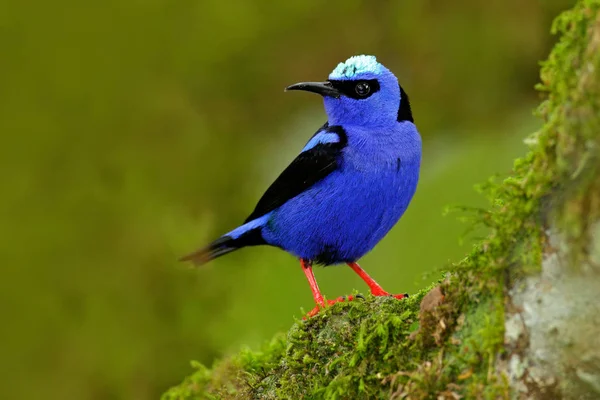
135	131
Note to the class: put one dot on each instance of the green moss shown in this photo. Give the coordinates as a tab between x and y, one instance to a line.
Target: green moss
447	339
379	347
572	129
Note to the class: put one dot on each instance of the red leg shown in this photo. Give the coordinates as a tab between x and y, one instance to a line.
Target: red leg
307	268
376	290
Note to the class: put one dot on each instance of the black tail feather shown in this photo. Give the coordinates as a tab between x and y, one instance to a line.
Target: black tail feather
218	248
223	245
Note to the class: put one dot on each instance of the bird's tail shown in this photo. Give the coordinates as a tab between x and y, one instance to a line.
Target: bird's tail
249	234
218	248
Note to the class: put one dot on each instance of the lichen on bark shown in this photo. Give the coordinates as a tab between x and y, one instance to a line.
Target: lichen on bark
516	318
553	318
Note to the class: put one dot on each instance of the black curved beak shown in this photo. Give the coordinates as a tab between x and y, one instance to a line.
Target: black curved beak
322	88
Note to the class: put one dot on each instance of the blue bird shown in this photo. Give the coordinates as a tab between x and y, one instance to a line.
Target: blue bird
350	183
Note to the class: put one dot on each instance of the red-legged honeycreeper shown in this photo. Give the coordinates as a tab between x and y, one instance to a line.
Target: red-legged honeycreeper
350	183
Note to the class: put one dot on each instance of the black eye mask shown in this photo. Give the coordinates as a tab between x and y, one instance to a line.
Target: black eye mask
353	88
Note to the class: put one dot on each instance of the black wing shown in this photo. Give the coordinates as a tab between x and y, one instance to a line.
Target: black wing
307	169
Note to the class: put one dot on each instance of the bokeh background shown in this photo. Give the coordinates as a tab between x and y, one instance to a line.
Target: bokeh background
136	131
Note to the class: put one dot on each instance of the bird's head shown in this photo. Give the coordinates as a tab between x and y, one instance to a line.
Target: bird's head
361	91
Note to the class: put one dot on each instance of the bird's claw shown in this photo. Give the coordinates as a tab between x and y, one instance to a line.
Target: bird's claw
328	303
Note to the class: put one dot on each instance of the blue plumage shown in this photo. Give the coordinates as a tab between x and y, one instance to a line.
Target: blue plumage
351	182
343	216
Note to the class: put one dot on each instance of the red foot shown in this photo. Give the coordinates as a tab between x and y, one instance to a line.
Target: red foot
318	308
376	290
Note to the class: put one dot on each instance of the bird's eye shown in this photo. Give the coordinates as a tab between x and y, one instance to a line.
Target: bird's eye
362	89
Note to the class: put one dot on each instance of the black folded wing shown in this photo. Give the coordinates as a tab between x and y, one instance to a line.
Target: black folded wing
311	166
